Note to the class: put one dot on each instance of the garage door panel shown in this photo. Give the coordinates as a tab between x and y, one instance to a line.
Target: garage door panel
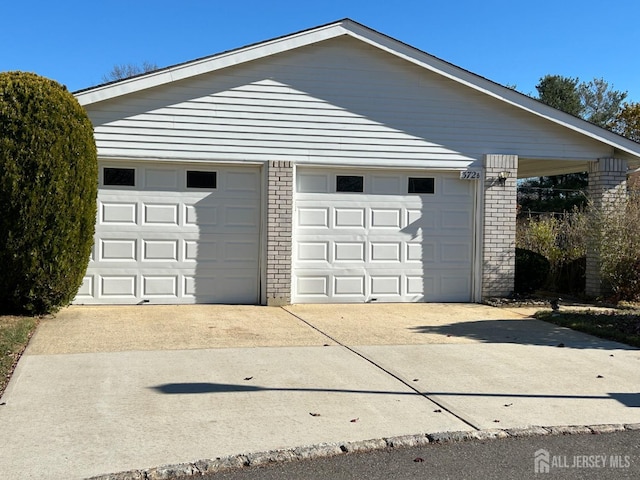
118	213
386	184
117	250
417	285
243	182
160	250
348	285
421	252
241	216
205	251
165	243
312	217
220	287
385	285
455	219
313	251
239	252
121	286
201	251
312	285
455	253
454	284
163	286
237	231
86	290
384	246
385	252
452	186
160	214
160	179
419	218
349	251
385	218
312	182
197	216
349	217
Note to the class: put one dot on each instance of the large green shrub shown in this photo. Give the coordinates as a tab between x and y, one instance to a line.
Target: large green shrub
48	188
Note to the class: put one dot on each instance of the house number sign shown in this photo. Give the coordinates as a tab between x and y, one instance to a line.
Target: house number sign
470	175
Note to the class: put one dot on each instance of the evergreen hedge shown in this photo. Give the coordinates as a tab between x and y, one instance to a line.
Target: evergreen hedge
48	189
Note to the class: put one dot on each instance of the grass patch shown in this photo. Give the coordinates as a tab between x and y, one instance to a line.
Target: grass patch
15	333
619	325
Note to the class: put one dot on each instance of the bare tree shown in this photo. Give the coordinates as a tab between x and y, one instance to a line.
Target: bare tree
126	70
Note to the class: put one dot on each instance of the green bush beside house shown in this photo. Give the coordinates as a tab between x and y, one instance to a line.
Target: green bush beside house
48	189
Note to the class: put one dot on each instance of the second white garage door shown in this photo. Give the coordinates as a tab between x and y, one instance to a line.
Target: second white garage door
169	233
387	237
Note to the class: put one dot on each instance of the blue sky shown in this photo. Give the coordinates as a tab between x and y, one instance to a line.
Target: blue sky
510	42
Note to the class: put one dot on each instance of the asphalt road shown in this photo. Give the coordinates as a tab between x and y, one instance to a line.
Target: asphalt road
569	457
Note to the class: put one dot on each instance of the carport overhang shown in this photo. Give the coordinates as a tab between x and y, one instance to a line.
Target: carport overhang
607	185
546	167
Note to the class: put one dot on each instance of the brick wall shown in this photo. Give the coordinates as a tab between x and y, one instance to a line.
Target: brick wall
279	224
607	188
499	235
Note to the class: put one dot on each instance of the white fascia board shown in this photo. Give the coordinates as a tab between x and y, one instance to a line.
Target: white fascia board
490	88
301	161
209	64
391	164
173	159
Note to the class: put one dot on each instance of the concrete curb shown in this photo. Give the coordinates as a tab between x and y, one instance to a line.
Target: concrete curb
324	450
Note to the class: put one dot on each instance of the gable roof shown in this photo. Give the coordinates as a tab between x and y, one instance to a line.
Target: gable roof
376	39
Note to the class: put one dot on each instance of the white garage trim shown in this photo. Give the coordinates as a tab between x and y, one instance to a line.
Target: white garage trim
176	233
383	243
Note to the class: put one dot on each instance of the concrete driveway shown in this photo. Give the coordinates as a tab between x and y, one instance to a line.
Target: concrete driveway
108	389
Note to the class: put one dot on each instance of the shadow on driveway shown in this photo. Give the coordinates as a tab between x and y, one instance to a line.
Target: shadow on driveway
523	332
627	399
207	387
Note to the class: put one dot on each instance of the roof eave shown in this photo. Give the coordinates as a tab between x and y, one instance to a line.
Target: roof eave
376	39
209	64
492	89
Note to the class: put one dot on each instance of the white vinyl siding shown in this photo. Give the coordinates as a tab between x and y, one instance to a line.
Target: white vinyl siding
337	102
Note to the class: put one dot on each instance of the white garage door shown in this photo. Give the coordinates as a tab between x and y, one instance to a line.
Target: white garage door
175	234
387	237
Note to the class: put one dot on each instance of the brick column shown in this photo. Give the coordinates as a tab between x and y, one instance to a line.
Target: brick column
499	235
607	188
279	226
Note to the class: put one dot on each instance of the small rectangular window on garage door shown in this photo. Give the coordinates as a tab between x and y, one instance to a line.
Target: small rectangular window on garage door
201	179
349	183
122	177
421	185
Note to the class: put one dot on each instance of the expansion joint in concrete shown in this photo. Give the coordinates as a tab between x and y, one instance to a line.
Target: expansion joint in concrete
442	407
